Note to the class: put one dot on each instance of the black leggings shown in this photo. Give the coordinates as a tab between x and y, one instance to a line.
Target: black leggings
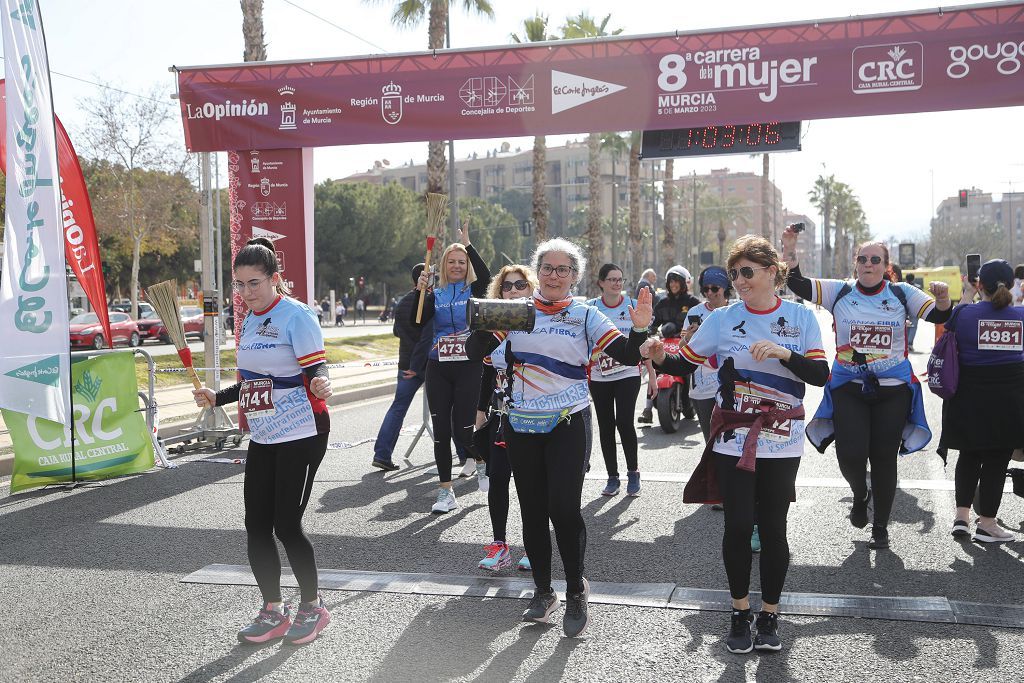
770	489
870	429
615	403
704	407
548	469
452	391
986	472
500	474
278	481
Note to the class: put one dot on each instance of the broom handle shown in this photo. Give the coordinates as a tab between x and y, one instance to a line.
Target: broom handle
423	292
195	377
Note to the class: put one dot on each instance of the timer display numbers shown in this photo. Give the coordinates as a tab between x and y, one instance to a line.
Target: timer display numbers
746	138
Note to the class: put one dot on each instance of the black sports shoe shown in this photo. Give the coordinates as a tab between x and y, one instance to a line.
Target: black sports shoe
385	465
739	641
767	637
859	512
577	616
961	528
879	538
541	606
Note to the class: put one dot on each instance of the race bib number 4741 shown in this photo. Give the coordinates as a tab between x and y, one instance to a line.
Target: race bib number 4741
256	397
1000	335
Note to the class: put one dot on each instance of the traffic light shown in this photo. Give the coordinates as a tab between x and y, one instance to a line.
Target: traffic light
963	199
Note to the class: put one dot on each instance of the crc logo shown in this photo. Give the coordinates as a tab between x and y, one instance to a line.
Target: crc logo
888	68
1008	54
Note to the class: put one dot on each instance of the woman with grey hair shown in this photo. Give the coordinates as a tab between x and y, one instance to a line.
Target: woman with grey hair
545	396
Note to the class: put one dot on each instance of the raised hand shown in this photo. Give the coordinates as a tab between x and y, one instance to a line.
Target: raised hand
789	238
642	314
464	233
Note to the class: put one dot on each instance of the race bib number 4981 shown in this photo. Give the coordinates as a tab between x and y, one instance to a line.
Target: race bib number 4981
1000	335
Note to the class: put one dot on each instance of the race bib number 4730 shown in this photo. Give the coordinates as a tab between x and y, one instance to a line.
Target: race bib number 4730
1000	335
452	347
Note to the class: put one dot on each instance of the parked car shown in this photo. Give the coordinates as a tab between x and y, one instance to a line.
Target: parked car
144	308
152	328
86	330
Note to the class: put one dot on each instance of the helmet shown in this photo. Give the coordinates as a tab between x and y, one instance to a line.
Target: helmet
679	272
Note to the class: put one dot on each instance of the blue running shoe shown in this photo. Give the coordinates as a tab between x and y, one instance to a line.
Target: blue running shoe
633	484
755	540
268	625
612	489
311	618
524	565
497	558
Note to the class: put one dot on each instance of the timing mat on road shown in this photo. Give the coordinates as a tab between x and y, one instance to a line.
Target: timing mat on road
933	609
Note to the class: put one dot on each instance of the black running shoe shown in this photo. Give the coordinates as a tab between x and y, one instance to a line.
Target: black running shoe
961	528
739	640
767	637
541	606
859	512
385	465
577	616
879	538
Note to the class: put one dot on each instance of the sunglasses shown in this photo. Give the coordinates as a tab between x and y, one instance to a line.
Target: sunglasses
520	285
875	260
746	271
712	288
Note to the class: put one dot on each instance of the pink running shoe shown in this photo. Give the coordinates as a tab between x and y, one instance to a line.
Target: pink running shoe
268	625
309	621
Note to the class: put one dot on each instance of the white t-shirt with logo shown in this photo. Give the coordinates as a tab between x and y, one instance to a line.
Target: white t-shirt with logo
603	367
705	379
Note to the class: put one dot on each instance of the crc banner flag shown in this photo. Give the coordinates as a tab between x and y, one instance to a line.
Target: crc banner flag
111	437
35	363
81	246
922	60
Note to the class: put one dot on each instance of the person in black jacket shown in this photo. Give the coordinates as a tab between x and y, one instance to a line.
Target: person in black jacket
413	344
671	307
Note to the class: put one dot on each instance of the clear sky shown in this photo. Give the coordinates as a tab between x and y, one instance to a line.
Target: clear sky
899	166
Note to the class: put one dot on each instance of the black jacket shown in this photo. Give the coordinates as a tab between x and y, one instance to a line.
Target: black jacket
672	309
413	341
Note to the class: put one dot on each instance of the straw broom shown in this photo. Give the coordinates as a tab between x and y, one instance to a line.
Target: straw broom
437	209
164	297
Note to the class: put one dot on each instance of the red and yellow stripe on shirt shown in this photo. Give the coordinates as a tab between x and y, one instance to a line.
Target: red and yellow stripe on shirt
312	359
817	292
815	354
689	354
606	339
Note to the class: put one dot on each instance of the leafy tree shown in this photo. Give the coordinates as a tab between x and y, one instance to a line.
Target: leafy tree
494	231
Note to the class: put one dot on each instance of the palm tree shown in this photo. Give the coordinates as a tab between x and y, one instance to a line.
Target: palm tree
821	196
635	235
668	226
409	13
766	216
616	146
535	30
585	26
252	31
722	210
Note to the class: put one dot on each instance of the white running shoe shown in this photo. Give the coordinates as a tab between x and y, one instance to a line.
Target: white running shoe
468	468
993	534
481	477
445	502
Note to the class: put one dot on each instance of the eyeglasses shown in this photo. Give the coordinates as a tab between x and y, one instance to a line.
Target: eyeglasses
875	260
613	280
713	288
562	271
746	271
251	285
520	285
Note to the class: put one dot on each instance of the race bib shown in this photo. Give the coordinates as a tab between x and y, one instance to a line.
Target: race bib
452	347
256	397
1000	335
875	340
775	430
609	366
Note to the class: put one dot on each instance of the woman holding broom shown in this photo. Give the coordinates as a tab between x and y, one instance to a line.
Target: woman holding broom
453	380
284	385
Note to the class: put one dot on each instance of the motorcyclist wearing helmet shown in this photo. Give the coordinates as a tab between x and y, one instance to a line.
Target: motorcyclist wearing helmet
671	307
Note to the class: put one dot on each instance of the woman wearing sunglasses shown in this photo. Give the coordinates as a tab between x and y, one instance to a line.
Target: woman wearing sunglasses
766	349
873	406
453	379
615	387
545	399
716	288
512	282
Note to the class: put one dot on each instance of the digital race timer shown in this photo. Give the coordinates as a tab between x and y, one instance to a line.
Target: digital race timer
746	138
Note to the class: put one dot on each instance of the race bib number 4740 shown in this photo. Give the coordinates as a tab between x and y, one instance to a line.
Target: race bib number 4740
1000	335
871	339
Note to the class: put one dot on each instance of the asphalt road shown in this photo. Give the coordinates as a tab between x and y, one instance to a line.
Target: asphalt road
92	580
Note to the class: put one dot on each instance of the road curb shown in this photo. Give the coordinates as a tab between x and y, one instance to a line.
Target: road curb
341	398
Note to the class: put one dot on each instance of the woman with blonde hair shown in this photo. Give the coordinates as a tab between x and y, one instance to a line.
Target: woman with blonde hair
768	350
452	379
512	282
